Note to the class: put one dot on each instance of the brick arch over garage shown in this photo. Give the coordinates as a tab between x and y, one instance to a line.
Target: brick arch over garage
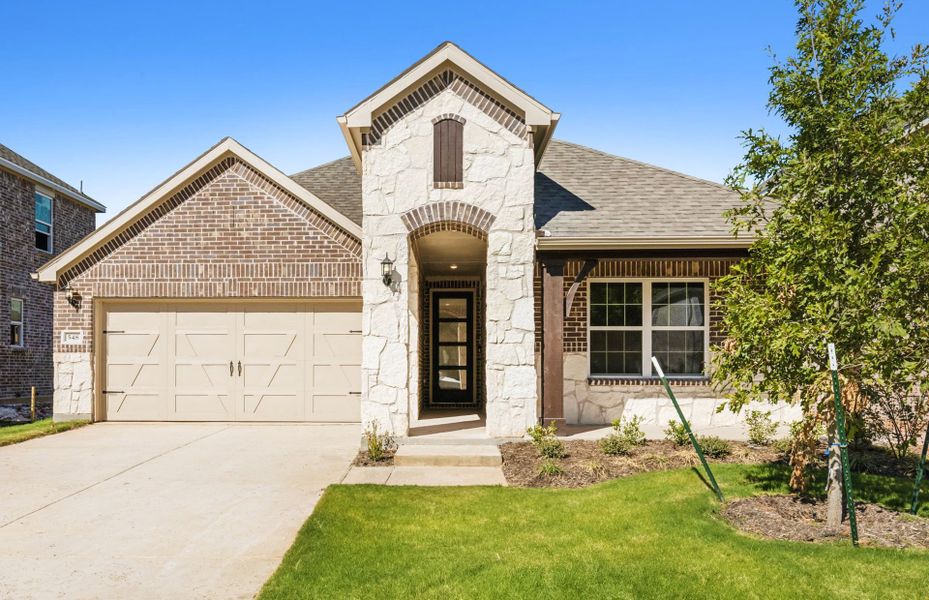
448	216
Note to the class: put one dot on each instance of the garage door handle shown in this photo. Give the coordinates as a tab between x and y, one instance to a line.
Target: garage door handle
231	372
354	331
240	368
113	392
354	393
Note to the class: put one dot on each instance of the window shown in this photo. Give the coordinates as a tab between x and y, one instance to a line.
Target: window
43	222
448	148
16	322
631	321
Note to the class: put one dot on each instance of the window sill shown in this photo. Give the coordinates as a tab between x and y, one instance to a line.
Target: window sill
17	348
607	380
448	185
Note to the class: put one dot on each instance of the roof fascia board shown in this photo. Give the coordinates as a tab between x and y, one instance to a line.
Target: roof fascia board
612	243
49	272
80	198
536	113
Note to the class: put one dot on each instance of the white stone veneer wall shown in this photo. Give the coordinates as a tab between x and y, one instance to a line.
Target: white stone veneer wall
599	405
74	385
498	177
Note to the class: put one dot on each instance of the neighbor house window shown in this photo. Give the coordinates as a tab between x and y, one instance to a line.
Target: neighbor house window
16	322
448	148
43	222
631	321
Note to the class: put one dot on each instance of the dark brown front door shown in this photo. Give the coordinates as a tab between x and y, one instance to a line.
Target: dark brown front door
452	348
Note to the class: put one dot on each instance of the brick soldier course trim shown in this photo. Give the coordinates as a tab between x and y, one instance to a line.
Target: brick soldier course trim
447	79
423	220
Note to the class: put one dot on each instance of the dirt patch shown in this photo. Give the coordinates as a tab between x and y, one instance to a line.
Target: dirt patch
363	460
585	464
802	520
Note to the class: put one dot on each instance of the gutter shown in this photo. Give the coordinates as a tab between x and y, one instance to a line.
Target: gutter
616	243
52	185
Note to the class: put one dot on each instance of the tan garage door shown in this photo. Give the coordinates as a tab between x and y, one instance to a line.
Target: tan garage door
258	361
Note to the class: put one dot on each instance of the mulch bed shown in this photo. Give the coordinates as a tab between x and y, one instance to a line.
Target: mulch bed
363	460
798	519
585	464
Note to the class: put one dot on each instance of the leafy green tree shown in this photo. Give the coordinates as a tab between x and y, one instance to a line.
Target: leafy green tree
839	211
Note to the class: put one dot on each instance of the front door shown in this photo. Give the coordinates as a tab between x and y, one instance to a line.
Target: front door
452	349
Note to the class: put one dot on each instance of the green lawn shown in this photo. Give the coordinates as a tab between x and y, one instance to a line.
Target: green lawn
648	536
13	434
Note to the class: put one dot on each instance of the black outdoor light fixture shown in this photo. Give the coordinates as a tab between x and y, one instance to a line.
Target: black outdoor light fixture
387	269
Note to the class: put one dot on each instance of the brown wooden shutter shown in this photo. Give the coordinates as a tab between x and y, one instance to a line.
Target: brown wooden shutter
448	149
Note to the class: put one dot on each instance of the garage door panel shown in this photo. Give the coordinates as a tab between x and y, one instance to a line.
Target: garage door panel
204	346
273	348
203	406
135	346
291	361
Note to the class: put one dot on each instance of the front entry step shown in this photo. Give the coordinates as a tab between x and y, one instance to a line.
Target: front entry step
458	455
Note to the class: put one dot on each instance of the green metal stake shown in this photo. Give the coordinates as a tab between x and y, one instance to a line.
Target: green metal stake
919	474
693	440
843	444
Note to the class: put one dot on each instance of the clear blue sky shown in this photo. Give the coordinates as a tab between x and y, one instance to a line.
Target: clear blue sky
120	95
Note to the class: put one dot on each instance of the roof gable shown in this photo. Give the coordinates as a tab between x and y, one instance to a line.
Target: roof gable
226	149
447	57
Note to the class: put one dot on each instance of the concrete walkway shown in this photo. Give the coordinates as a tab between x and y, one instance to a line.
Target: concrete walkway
160	510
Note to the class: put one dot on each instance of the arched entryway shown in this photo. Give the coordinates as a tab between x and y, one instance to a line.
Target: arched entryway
448	264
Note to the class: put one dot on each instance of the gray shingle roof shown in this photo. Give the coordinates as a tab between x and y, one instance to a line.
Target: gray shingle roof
580	192
336	183
24	163
27	164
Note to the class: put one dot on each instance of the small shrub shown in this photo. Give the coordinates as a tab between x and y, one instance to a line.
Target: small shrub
630	429
781	445
761	428
550	468
715	447
677	433
378	443
543	438
627	434
537	433
551	448
615	444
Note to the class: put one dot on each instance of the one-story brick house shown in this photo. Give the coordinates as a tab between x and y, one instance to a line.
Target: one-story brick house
459	258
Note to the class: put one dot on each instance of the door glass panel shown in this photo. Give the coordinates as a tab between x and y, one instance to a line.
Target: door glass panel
453	379
453	356
453	308
453	332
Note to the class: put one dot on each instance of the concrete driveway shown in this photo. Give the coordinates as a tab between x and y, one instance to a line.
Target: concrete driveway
160	510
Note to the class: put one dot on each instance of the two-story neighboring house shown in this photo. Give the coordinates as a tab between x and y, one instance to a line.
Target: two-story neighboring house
41	217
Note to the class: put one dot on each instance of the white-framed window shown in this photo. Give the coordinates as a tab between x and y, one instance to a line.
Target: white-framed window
631	320
44	222
16	322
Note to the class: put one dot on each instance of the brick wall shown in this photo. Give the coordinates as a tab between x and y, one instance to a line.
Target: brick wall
231	233
575	327
30	366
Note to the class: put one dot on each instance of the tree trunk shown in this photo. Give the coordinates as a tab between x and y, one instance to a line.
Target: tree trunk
834	504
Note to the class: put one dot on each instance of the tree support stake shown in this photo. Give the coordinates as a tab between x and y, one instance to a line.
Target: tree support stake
690	433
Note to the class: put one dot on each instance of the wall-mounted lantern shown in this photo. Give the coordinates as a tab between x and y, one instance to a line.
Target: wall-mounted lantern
387	269
72	296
